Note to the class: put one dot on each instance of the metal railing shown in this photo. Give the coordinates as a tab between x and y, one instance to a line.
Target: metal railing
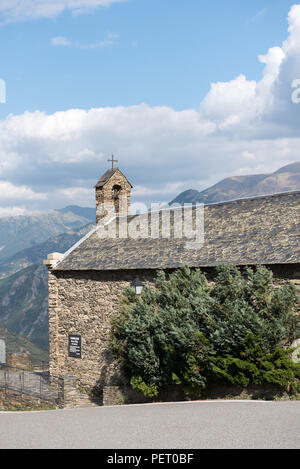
35	383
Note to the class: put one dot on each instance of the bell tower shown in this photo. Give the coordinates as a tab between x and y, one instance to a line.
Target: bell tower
112	194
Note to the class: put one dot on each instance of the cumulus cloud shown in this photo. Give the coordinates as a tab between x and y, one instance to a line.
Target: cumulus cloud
22	10
11	191
229	103
242	126
264	108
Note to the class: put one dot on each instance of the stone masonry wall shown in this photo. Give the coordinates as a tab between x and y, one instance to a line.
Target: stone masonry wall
18	360
83	303
12	400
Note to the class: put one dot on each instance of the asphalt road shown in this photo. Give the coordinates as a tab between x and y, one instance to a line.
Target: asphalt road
197	425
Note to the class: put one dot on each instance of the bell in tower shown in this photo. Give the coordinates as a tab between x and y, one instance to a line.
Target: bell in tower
112	195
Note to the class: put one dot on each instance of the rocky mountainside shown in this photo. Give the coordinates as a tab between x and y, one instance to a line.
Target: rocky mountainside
22	232
23	278
236	187
24	305
39	252
86	212
24	288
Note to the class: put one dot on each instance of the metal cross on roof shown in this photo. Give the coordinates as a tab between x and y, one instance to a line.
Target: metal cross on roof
113	161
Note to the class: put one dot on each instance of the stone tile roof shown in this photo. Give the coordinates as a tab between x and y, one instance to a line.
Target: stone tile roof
261	230
107	175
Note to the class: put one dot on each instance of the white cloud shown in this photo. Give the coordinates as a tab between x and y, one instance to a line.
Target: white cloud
242	126
60	41
159	189
248	155
261	109
11	191
83	195
22	10
227	102
12	212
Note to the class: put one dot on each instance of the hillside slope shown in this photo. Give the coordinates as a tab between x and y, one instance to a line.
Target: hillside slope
17	343
24	305
236	187
39	252
22	232
24	287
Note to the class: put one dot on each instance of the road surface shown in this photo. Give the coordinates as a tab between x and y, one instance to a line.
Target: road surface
188	425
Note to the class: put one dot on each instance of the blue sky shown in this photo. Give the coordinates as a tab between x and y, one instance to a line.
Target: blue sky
163	53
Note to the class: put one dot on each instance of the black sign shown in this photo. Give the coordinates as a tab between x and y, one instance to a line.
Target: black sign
75	346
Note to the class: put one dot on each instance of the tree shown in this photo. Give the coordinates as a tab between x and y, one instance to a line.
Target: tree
184	331
250	304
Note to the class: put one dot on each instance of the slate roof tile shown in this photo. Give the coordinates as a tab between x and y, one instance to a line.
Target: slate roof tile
261	230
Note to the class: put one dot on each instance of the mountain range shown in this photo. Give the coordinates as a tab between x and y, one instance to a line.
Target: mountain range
23	278
24	287
38	252
21	232
26	241
284	179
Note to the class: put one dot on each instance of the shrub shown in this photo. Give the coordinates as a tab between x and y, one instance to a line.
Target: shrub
183	331
253	366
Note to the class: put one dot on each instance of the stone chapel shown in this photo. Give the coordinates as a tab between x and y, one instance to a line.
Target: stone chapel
86	283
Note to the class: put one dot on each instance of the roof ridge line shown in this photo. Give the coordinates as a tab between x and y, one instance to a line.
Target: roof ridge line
84	238
254	197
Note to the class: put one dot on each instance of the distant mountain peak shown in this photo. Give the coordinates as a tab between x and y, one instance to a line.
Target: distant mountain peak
284	179
18	233
85	212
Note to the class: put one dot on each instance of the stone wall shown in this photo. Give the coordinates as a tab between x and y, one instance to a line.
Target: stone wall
10	400
83	303
18	360
70	394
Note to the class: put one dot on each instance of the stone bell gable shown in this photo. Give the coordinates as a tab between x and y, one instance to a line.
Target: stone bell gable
112	195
